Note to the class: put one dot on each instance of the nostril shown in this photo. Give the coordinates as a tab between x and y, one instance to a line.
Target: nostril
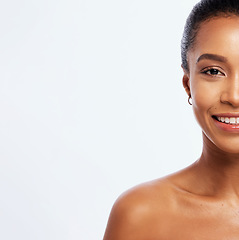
230	98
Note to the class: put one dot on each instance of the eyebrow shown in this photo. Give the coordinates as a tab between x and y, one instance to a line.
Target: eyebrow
214	57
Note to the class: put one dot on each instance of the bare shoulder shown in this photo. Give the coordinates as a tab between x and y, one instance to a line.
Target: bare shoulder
159	209
142	211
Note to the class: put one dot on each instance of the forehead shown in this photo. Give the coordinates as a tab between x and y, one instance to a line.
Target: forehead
218	36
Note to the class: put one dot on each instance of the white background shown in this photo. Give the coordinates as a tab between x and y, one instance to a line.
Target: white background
91	104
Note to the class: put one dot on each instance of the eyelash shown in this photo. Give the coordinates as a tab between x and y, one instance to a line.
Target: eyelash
205	71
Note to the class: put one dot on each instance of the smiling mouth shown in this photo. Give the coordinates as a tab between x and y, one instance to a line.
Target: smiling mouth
227	120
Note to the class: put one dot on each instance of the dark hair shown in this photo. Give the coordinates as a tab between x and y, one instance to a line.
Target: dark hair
201	12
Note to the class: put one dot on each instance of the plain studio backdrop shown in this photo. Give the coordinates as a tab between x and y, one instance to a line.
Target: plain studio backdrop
91	104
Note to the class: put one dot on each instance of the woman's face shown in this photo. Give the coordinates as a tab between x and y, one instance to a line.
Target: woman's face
213	81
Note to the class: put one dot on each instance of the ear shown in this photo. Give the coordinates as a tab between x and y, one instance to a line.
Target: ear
186	83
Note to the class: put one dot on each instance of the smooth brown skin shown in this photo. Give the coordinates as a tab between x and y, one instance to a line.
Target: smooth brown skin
201	201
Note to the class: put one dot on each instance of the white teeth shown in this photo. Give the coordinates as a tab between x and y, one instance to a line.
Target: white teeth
229	120
232	120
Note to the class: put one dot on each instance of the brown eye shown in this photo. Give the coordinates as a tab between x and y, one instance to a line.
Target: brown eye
212	71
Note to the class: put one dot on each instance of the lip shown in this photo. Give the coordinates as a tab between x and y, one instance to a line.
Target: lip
236	114
225	126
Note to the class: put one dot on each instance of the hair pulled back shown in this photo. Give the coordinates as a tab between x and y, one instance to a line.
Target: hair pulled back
201	12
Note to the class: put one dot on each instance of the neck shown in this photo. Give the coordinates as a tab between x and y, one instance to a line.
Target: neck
219	170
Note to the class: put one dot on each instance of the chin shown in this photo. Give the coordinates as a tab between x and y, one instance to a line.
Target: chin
228	146
221	144
231	150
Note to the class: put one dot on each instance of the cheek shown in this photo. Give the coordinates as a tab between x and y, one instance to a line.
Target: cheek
205	97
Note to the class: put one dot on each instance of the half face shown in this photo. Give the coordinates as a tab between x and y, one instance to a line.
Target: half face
213	81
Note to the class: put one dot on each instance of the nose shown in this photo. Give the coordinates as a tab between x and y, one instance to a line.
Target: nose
230	94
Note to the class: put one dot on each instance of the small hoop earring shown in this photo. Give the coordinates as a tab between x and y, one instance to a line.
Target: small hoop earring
190	103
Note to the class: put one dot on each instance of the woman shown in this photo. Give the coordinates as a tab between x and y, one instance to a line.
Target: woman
201	201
